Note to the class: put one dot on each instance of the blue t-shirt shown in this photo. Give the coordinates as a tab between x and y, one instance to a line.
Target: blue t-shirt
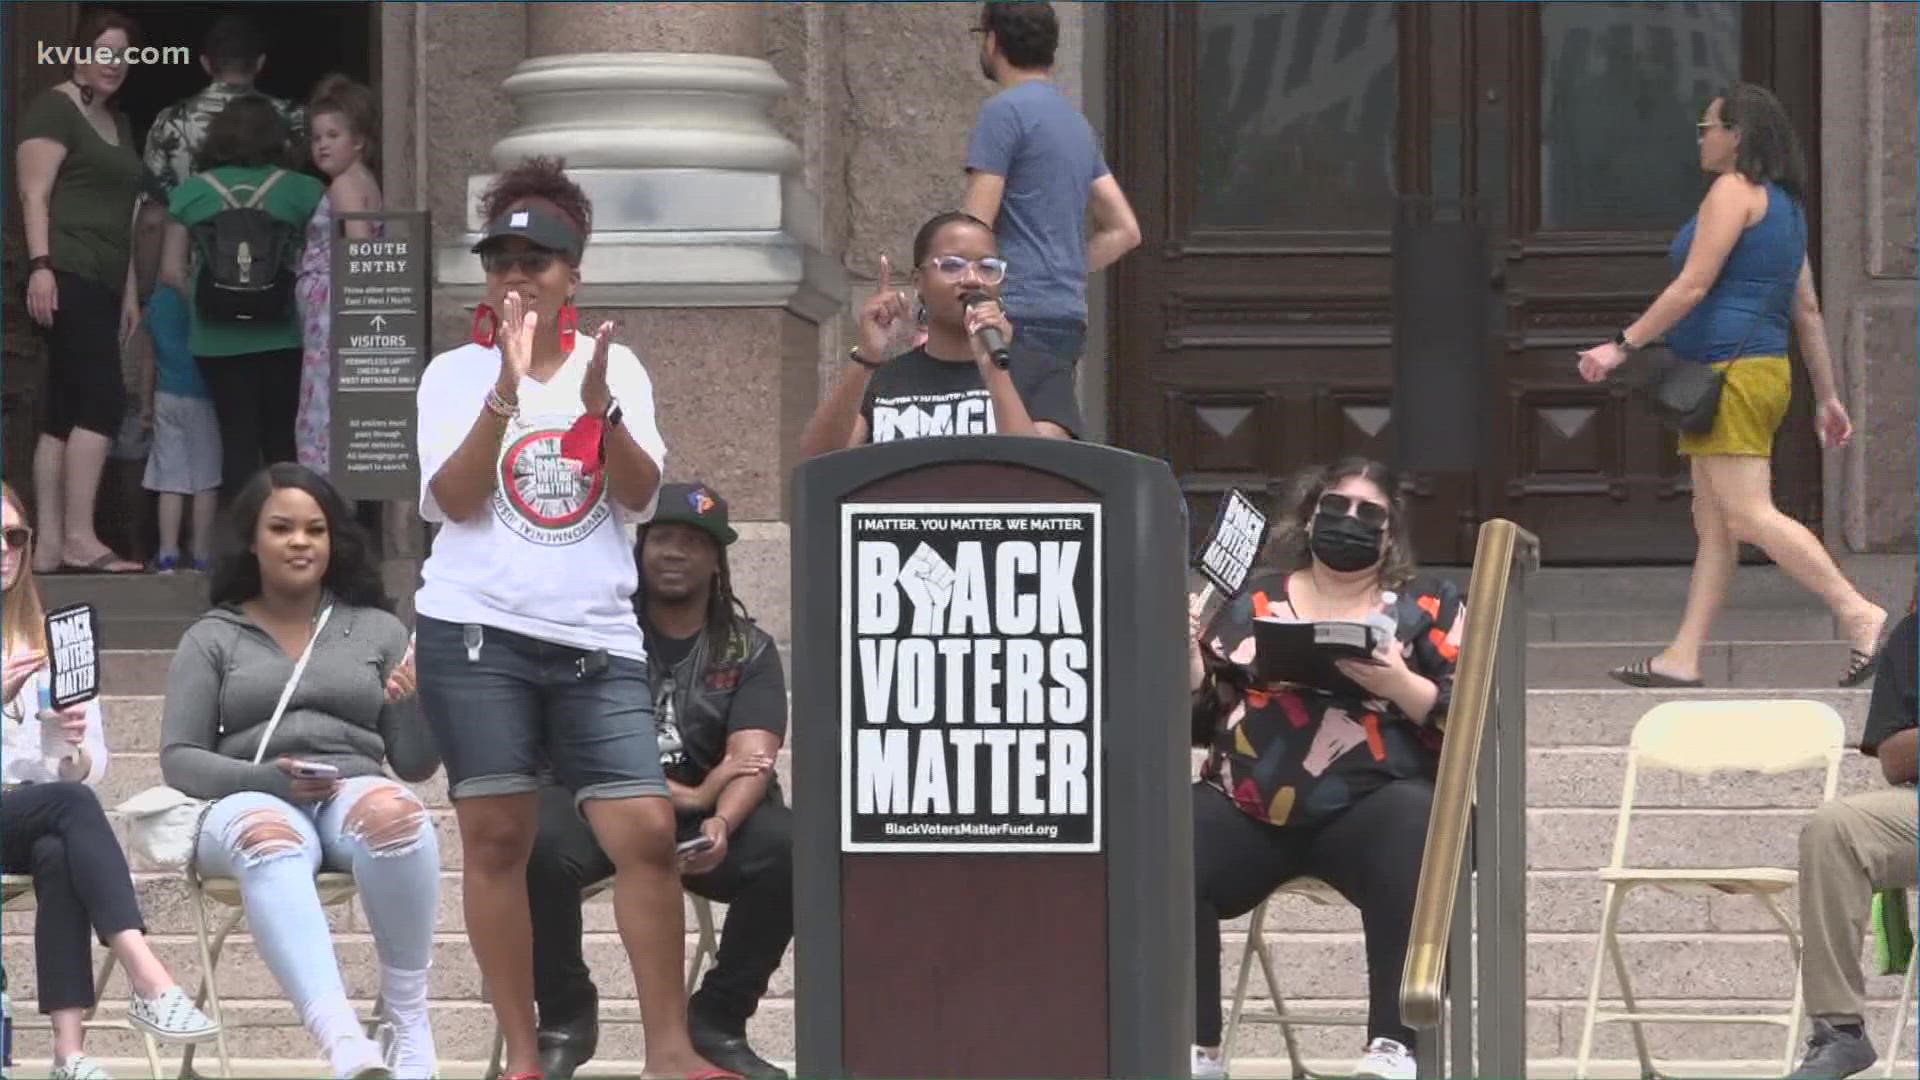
1034	137
169	324
1749	310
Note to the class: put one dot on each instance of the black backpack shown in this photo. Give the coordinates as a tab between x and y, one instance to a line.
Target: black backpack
246	258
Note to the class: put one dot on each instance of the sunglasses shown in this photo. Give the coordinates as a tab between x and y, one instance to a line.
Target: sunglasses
532	260
1369	513
992	270
17	537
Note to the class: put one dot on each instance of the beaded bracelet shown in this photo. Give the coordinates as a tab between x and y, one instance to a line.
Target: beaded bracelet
501	407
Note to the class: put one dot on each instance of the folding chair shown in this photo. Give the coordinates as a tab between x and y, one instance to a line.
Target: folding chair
705	948
14	888
1317	892
334	889
1900	1013
1702	738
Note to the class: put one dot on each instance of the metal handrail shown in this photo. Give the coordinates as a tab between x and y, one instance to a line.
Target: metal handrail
1502	546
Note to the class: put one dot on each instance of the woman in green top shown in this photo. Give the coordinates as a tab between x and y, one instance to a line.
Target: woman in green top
251	366
79	177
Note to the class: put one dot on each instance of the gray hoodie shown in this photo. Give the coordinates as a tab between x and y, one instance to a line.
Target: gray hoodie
227	676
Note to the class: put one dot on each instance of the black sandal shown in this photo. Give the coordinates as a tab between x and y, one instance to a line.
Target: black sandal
1860	668
1640	675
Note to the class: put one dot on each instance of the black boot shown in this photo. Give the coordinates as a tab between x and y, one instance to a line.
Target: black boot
729	1050
566	1045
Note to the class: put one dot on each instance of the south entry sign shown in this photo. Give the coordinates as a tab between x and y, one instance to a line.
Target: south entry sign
379	337
971	677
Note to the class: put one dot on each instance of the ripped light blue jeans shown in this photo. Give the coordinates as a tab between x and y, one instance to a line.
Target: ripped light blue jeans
375	829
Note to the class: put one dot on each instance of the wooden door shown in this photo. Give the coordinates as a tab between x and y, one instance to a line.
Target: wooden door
1268	147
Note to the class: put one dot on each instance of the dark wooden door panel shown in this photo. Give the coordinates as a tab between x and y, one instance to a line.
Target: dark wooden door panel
1268	147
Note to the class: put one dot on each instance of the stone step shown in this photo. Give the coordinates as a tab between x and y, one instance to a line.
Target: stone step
1743	665
124	595
1886	579
1811	623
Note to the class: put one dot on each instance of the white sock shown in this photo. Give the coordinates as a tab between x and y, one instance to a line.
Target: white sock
404	994
338	1031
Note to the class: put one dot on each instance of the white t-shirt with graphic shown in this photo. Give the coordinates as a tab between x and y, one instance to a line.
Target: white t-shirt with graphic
550	556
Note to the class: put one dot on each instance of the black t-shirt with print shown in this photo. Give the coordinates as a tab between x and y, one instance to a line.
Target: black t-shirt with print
747	675
1892	707
917	395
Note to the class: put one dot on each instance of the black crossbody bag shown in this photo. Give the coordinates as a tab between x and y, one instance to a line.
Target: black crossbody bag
1685	394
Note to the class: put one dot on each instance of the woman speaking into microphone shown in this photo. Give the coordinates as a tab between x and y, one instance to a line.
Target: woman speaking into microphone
537	446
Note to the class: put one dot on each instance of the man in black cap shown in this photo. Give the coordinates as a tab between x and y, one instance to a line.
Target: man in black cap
720	702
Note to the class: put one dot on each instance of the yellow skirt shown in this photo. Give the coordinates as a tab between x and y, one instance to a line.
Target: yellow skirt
1752	403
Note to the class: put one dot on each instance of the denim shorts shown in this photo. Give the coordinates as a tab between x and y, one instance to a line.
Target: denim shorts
512	708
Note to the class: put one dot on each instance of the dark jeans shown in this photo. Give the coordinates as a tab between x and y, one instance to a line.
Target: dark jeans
256	397
755	880
59	834
1062	339
1371	854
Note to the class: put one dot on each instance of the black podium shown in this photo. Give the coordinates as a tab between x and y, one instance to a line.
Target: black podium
993	834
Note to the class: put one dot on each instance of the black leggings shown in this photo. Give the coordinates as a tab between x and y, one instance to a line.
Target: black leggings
84	386
1371	854
755	881
59	834
256	397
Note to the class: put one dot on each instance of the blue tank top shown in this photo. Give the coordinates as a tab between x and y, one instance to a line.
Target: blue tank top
1752	300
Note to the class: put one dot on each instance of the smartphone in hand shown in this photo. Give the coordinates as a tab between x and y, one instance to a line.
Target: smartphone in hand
693	847
315	770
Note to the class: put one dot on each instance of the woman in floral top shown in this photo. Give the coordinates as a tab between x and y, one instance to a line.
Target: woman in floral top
1329	783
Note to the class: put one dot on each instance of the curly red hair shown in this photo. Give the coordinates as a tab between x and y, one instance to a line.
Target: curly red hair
540	179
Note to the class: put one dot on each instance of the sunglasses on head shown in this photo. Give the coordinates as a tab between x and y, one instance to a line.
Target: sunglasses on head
1369	512
531	260
17	537
992	270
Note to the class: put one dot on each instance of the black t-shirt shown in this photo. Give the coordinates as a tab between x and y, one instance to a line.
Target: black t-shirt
917	395
1895	696
752	690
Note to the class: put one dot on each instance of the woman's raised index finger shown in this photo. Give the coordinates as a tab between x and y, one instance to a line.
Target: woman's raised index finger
886	274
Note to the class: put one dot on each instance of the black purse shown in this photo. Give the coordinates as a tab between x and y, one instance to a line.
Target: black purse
1685	394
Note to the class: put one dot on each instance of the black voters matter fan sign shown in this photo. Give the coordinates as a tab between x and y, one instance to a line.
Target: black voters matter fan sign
1234	543
73	655
970	677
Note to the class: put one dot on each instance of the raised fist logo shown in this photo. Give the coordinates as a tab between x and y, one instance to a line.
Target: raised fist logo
928	582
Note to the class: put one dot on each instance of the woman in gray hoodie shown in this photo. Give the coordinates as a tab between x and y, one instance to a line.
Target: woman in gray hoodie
296	576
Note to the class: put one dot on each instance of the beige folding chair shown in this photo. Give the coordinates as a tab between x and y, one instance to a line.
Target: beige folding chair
17	889
1900	1013
705	948
334	889
1702	738
1317	892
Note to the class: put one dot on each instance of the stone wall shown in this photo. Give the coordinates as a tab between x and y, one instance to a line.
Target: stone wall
1869	264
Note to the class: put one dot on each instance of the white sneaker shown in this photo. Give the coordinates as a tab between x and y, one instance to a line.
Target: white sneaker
171	1017
1386	1060
78	1067
359	1058
1208	1067
410	1053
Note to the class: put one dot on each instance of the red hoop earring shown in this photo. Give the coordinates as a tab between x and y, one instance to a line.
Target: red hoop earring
569	324
486	326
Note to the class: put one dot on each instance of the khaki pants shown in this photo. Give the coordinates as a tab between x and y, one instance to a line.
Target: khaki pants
1853	848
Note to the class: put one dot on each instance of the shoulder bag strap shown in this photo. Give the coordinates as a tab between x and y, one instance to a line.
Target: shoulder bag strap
266	185
293	680
220	189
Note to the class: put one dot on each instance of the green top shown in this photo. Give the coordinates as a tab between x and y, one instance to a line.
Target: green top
90	228
292	200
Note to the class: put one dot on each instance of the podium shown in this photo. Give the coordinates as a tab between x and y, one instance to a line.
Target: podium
992	824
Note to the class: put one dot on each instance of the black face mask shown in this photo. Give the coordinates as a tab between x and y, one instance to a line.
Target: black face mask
1344	543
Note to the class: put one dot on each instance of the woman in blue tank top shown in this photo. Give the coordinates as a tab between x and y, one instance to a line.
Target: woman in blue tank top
1743	283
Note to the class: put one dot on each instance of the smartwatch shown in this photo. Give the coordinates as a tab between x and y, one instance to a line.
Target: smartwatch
853	354
1620	339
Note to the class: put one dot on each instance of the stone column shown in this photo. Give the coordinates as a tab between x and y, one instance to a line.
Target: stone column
706	245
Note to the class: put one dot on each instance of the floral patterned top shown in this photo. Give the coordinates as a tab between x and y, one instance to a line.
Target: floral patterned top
1297	755
181	128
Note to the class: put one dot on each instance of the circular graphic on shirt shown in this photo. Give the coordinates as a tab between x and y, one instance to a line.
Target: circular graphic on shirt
542	496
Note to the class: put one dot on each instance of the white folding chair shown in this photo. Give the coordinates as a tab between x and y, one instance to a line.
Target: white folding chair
17	889
1702	738
705	948
1900	1013
1314	891
334	889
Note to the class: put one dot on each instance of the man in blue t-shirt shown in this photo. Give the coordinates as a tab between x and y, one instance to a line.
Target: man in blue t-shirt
1034	168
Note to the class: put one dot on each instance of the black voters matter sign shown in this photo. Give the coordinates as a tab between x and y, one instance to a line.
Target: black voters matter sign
970	677
1234	543
73	655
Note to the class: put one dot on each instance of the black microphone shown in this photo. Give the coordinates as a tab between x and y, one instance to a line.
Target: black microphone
989	336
